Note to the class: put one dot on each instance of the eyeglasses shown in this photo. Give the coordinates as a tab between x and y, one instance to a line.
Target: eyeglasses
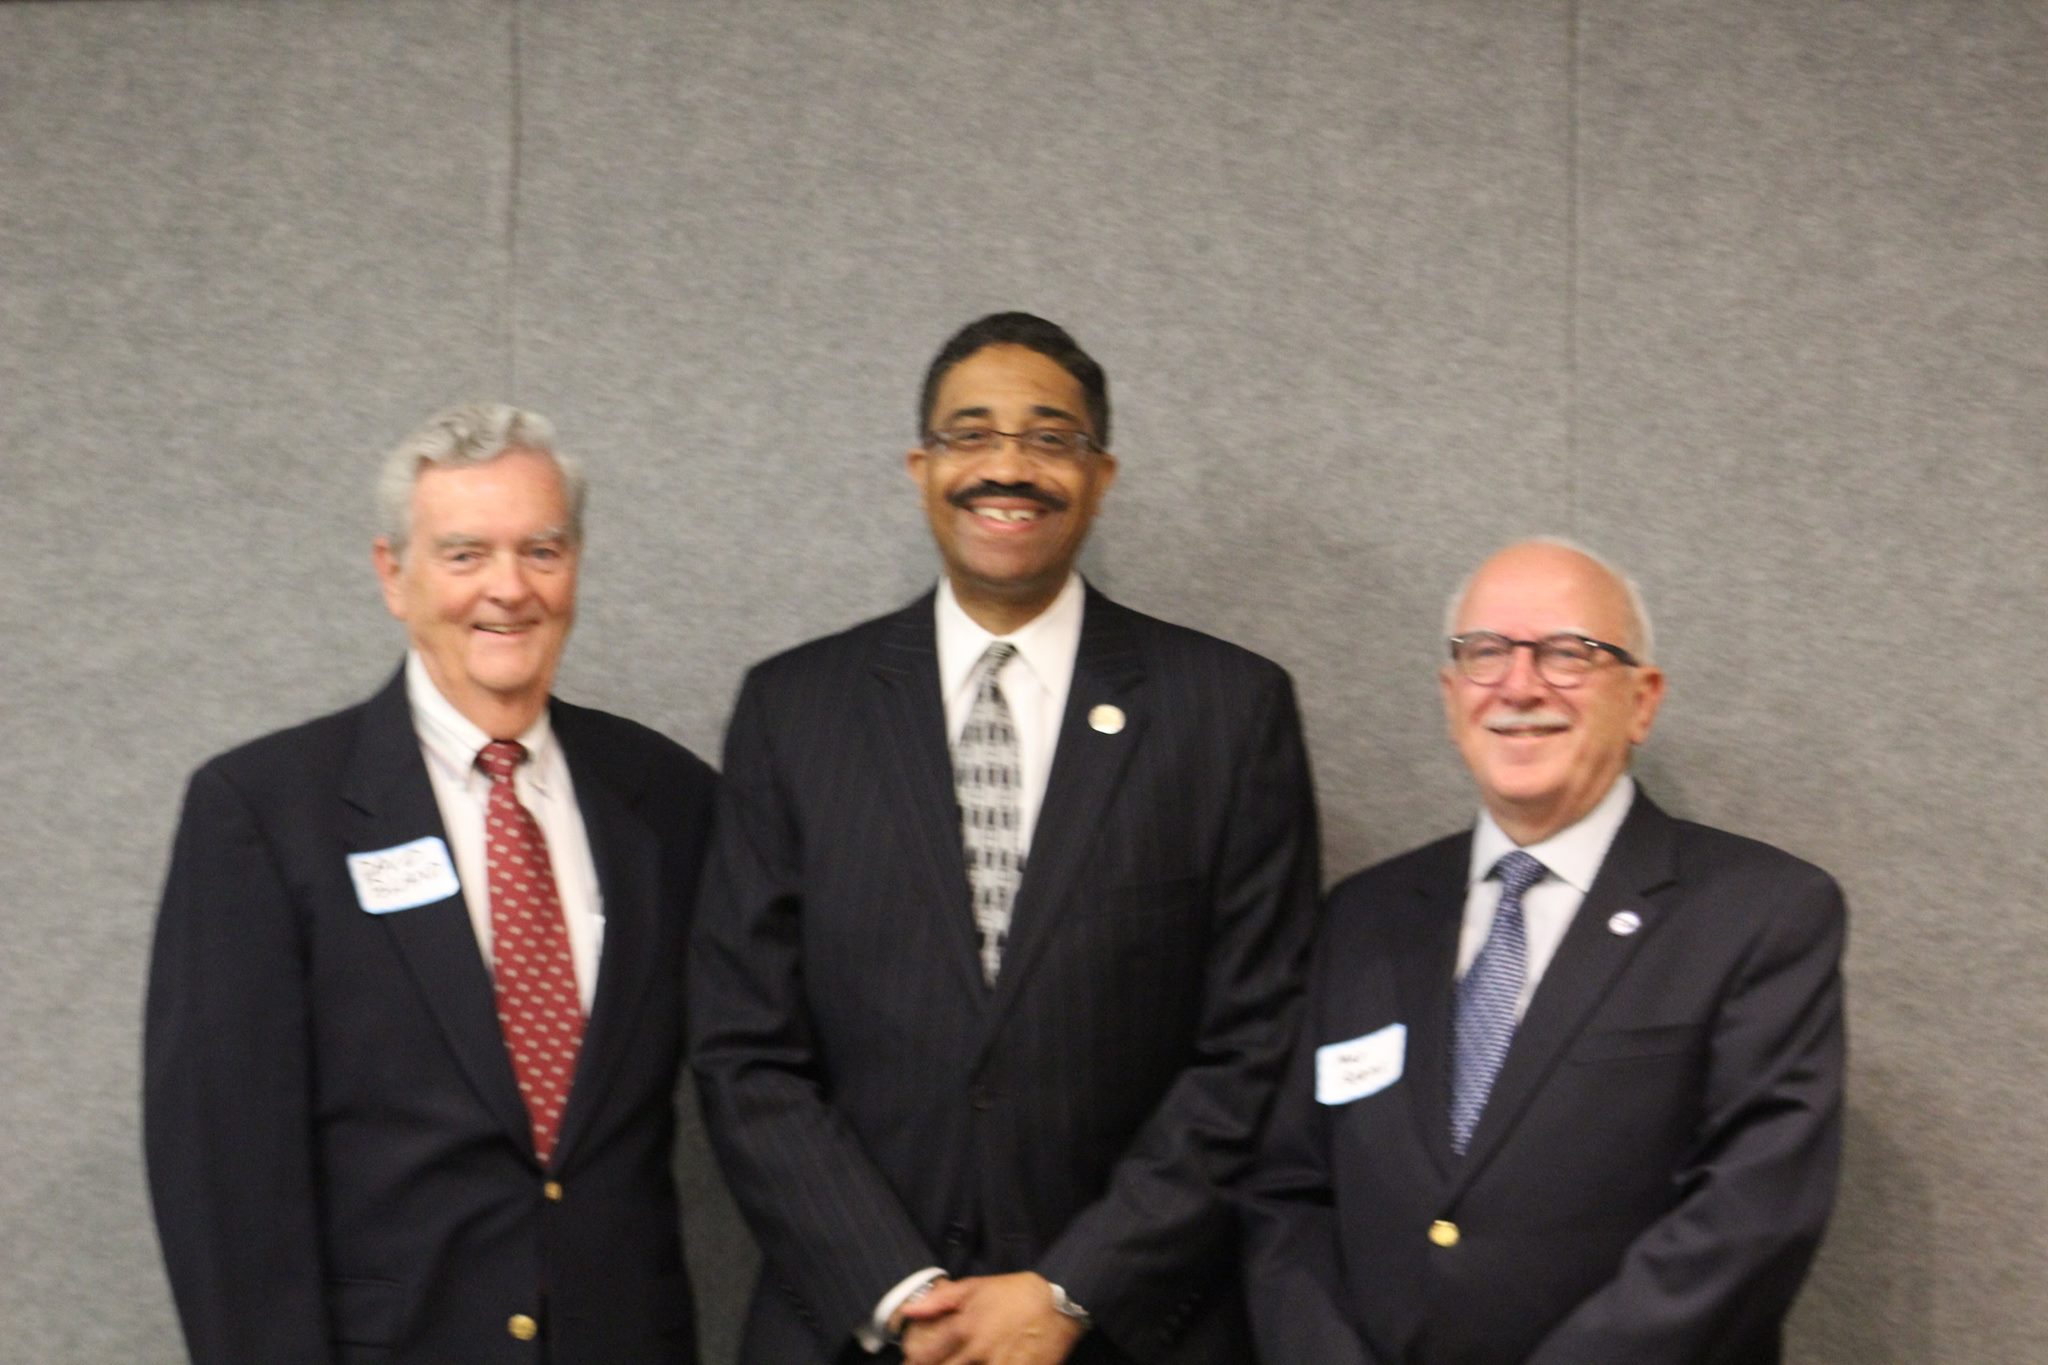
1562	660
1042	443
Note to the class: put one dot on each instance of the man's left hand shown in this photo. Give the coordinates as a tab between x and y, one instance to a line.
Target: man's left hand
992	1320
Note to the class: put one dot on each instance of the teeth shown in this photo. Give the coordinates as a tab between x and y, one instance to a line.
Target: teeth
499	630
1009	513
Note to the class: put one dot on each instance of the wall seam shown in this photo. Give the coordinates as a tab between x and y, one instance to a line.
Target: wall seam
1571	270
517	150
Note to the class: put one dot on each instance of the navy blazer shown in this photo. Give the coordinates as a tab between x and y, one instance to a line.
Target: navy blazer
878	1109
1655	1163
340	1162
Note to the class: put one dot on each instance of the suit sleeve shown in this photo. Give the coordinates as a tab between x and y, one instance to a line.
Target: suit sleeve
226	1110
1723	1265
1139	1257
1293	1257
828	1222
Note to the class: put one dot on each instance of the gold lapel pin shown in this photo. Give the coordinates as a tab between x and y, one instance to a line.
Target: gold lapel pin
1106	719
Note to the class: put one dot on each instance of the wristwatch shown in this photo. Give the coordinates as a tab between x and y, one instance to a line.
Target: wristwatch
1067	1308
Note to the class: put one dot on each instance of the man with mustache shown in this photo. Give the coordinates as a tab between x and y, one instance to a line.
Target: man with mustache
415	1007
997	958
1568	1089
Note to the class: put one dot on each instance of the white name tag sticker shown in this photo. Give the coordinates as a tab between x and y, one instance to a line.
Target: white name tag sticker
404	877
1364	1066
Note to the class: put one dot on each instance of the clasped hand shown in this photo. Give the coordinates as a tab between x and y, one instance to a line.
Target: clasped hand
987	1320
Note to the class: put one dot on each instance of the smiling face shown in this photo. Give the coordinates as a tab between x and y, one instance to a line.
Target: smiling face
486	585
1543	756
1009	523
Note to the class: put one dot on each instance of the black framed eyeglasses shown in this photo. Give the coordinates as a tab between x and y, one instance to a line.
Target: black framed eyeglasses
1562	660
1041	443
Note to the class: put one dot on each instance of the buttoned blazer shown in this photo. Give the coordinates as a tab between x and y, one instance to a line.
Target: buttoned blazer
1656	1161
340	1162
878	1109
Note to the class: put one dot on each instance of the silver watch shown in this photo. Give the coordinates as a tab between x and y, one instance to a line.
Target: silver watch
1067	1308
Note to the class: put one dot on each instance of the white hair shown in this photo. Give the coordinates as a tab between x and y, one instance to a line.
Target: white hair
1642	642
471	434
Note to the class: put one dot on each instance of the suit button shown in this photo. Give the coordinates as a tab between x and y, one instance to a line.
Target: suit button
522	1327
553	1190
983	1098
1444	1232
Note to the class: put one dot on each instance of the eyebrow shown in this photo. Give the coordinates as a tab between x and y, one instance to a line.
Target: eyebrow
1037	410
458	540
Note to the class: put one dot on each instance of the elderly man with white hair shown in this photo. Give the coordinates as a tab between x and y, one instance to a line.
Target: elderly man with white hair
415	1008
1569	1084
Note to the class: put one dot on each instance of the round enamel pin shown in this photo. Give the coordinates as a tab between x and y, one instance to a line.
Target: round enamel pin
1106	719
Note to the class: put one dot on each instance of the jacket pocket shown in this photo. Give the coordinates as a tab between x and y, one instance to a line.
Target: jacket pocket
1650	1040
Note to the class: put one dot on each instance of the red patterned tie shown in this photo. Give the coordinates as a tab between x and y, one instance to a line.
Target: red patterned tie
536	979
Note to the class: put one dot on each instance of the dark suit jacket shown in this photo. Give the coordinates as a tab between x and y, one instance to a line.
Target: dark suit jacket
1655	1162
339	1158
878	1109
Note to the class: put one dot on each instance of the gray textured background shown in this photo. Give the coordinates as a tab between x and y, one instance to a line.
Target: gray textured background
1751	294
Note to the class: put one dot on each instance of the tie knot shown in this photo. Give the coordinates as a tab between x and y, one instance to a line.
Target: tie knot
1517	871
993	658
500	757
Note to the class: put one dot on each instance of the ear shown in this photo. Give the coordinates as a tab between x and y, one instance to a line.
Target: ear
390	575
1649	696
915	461
1447	682
1105	472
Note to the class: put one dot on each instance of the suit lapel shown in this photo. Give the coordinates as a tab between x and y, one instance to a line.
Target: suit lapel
389	801
1088	762
1642	859
907	719
628	861
1424	972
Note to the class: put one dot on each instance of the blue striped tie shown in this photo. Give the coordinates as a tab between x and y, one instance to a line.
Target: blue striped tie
1485	1021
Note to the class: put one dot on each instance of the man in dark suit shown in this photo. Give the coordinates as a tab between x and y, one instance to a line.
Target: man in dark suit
1000	945
1569	1084
415	1008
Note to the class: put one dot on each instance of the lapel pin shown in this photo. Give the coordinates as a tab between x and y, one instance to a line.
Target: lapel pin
1624	922
1106	719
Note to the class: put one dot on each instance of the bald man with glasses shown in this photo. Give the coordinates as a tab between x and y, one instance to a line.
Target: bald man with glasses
1569	1086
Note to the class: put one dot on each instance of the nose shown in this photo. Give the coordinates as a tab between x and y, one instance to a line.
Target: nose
1009	462
1523	682
506	580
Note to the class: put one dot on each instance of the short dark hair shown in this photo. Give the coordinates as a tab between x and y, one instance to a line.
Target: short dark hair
1033	333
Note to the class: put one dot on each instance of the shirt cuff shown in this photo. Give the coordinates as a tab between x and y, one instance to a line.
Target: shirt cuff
873	1334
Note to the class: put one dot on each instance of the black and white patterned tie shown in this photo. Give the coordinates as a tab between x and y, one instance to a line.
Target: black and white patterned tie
987	781
1485	1020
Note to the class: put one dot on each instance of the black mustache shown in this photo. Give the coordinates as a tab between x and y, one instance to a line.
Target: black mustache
988	488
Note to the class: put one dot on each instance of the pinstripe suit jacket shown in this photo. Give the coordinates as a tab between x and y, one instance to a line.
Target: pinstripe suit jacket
878	1109
1657	1158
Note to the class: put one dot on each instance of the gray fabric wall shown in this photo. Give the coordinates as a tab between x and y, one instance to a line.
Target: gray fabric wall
1749	294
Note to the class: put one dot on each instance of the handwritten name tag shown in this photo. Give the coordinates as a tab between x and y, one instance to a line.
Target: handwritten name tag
404	877
1363	1066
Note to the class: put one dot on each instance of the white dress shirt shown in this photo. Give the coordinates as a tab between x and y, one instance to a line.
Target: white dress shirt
1035	682
1573	855
450	742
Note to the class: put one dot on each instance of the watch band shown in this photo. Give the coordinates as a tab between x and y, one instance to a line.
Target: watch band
1067	1308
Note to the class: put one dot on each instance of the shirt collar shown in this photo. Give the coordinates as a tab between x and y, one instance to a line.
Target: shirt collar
1046	644
452	740
1573	855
